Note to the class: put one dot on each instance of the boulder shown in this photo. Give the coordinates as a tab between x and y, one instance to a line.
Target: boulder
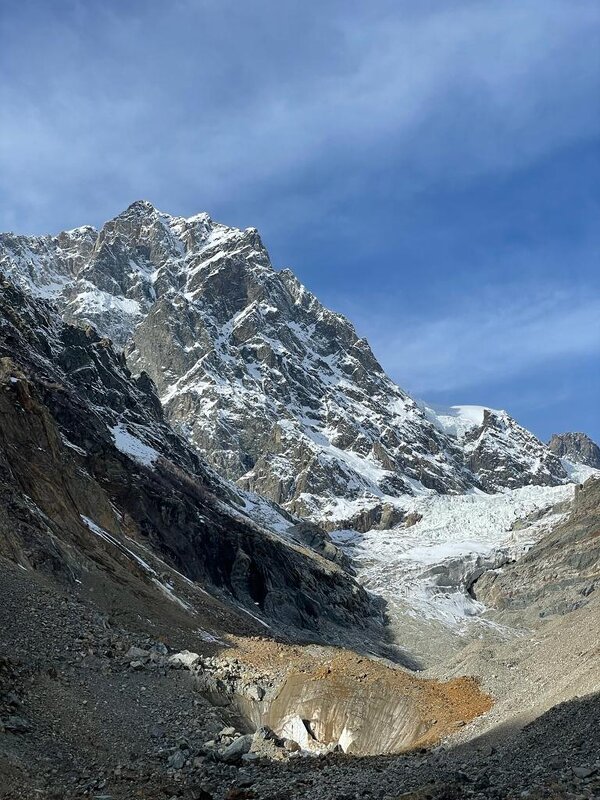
237	749
137	654
184	659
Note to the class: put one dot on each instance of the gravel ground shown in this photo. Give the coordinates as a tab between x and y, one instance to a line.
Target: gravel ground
80	721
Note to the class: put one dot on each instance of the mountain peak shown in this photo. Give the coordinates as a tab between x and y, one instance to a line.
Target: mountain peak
144	206
577	447
277	391
201	216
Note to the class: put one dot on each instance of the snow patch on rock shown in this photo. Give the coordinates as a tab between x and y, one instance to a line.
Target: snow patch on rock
133	447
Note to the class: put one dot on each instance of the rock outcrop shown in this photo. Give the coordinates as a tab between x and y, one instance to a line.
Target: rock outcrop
576	447
560	573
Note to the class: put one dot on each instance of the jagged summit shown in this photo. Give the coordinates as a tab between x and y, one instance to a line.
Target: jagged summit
576	447
274	389
141	205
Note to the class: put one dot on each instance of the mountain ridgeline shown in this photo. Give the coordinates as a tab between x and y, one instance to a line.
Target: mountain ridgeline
275	391
576	447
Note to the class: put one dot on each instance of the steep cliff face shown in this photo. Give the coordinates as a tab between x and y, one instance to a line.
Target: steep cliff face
560	573
276	391
576	447
93	480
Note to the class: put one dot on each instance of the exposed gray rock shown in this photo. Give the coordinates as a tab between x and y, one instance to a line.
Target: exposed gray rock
72	412
291	746
264	732
577	447
504	454
317	539
137	654
185	659
560	573
376	514
583	772
16	724
236	749
254	692
177	760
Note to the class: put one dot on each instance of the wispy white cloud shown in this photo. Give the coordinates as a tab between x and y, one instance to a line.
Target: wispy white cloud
210	101
488	341
349	130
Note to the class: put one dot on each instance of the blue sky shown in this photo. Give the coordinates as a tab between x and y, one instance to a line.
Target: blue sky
430	169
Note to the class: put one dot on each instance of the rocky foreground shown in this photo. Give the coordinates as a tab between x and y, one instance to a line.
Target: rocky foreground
99	699
118	707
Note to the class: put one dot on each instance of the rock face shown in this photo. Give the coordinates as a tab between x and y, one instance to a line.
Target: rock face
577	447
560	573
276	391
92	478
496	449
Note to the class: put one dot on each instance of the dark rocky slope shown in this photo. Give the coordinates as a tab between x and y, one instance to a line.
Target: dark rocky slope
90	474
560	573
80	718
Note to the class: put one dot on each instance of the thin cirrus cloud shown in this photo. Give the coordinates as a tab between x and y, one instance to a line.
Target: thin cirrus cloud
476	345
208	102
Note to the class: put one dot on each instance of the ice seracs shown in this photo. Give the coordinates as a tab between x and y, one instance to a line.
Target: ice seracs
426	569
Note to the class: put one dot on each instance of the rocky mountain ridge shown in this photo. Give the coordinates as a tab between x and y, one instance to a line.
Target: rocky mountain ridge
576	447
152	626
276	391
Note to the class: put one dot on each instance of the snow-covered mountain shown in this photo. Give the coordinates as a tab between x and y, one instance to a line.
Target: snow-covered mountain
275	390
